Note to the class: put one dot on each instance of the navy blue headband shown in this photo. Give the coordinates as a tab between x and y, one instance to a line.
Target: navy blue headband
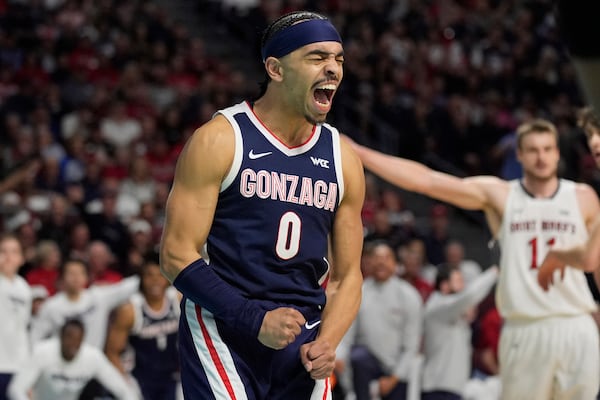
298	35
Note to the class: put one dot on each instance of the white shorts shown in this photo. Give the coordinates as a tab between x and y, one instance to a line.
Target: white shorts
550	359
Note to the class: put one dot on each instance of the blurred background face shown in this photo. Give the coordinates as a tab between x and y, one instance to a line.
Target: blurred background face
154	284
454	253
75	277
383	263
11	256
71	340
456	283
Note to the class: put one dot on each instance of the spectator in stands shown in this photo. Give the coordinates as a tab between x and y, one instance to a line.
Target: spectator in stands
413	267
45	271
437	236
455	257
447	332
107	225
139	183
102	265
384	339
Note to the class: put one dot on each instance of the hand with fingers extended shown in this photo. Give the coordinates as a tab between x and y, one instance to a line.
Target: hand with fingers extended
552	262
318	358
280	327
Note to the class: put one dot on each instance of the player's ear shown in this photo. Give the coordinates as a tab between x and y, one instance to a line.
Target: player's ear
273	68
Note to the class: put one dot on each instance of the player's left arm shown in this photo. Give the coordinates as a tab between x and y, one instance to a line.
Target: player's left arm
345	284
584	256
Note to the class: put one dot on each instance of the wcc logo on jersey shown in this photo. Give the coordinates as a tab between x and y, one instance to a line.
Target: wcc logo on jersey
320	162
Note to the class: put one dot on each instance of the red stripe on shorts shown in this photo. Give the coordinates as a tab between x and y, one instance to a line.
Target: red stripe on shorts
326	389
214	355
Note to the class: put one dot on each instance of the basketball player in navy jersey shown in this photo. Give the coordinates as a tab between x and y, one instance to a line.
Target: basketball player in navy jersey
538	358
263	233
148	324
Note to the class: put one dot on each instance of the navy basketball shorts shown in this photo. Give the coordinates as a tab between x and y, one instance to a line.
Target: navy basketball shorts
220	363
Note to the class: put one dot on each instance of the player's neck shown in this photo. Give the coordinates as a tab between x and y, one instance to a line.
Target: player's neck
73	296
290	127
155	304
540	188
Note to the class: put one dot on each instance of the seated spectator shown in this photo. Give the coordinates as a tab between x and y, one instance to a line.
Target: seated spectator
384	339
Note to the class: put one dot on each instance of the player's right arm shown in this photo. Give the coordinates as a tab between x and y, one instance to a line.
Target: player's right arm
118	335
200	170
468	193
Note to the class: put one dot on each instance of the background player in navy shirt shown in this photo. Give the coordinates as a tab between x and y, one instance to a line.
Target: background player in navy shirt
147	326
263	233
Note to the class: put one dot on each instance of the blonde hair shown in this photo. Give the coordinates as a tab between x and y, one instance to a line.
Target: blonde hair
536	126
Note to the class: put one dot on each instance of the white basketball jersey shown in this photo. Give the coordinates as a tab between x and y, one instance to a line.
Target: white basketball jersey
530	227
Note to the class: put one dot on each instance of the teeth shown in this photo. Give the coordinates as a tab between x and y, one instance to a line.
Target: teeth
327	87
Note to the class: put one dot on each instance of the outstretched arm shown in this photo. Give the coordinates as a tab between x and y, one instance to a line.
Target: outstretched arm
190	210
345	283
468	193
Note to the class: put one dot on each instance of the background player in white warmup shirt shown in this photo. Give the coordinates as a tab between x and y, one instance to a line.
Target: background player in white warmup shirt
15	310
92	305
538	357
60	368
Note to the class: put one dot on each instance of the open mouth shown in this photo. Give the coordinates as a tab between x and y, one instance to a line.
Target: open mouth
324	94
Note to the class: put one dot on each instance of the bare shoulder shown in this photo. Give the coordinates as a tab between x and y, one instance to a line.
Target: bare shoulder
354	176
209	150
585	190
587	198
124	315
216	134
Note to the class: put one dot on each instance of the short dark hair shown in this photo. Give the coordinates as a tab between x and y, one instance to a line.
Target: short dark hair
63	267
443	274
75	322
588	121
278	25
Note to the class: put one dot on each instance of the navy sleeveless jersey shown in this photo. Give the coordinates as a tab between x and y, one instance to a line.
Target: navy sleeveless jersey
269	237
154	339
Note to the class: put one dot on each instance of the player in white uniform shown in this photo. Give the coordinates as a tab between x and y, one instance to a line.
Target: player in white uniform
539	359
93	306
59	369
15	310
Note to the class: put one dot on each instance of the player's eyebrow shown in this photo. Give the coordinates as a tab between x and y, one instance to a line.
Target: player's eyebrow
323	53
